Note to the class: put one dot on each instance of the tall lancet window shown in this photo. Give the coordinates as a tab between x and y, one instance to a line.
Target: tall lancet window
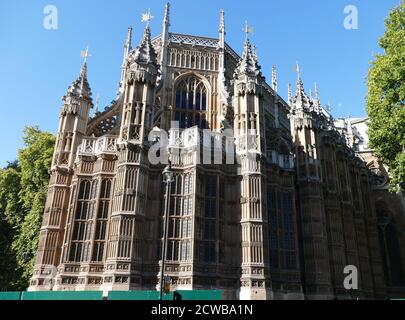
83	221
191	103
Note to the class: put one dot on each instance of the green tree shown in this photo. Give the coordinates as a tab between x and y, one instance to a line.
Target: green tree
7	262
386	98
10	217
10	186
23	189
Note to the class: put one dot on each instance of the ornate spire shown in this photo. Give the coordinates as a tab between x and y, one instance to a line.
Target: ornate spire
290	93
166	19
166	26
84	85
300	85
127	50
316	99
128	44
145	53
274	82
147	17
222	32
83	72
80	87
316	91
165	42
85	55
255	53
298	70
248	64
248	30
302	101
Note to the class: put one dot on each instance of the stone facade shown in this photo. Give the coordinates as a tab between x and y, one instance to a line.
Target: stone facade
280	222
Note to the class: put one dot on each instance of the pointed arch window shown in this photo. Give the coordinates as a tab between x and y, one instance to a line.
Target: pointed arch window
191	103
83	225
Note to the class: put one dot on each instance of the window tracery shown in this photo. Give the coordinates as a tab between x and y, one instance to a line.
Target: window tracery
83	225
102	220
191	103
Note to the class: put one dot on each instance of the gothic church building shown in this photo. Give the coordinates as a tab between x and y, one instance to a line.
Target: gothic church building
281	222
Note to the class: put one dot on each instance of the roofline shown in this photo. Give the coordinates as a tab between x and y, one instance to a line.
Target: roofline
228	49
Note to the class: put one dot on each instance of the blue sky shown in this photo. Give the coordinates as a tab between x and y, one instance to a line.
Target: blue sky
37	65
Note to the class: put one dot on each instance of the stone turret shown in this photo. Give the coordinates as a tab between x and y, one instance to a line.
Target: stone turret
304	129
139	92
123	266
247	127
73	119
72	127
248	66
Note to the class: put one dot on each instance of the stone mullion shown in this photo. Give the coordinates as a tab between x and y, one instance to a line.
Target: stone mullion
117	191
138	215
124	202
108	225
95	216
254	258
116	215
70	219
93	221
133	245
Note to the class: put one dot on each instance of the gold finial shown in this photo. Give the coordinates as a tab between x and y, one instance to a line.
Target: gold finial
85	55
147	17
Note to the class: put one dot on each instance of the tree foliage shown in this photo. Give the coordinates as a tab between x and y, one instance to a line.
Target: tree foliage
23	188
386	98
10	217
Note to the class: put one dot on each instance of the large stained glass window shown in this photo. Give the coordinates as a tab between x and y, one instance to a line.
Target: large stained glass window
83	223
191	103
